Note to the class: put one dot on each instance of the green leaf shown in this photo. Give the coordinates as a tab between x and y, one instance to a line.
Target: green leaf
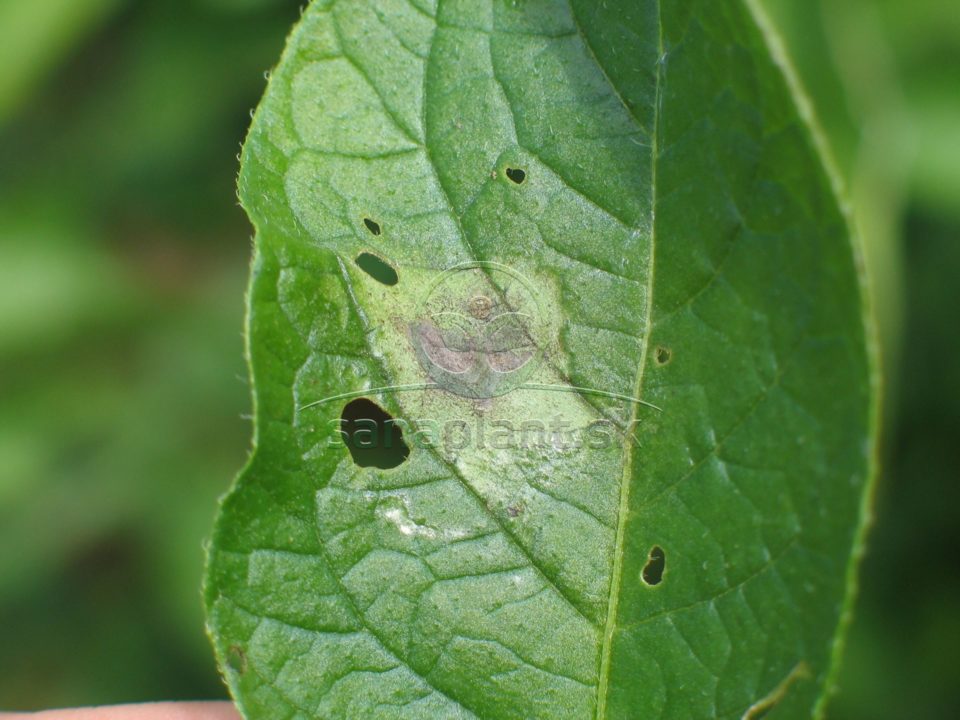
34	36
626	347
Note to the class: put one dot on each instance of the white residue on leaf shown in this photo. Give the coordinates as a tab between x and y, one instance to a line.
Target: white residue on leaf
399	517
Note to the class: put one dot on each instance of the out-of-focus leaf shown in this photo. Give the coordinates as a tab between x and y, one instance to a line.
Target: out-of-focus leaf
120	397
846	65
935	112
54	281
35	35
156	130
117	434
926	39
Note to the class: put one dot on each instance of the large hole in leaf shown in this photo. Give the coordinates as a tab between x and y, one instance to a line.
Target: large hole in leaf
372	436
656	563
377	268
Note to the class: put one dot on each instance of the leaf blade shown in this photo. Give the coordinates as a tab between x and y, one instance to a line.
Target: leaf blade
561	545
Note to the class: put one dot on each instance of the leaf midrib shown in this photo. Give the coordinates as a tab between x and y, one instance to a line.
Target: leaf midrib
609	626
613	602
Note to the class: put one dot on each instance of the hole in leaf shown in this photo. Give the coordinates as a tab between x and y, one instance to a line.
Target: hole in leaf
656	563
377	268
372	436
663	355
372	226
516	174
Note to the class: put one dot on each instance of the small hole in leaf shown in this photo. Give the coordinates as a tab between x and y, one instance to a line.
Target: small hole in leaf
377	268
516	174
372	226
237	659
656	563
663	355
372	436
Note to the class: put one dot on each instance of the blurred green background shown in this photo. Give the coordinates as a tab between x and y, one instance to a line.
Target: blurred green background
123	262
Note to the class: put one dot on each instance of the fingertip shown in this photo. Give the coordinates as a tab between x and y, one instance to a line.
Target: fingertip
146	711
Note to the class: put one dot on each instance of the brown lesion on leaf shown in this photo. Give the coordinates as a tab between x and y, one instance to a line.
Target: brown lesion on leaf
761	707
237	659
663	355
454	357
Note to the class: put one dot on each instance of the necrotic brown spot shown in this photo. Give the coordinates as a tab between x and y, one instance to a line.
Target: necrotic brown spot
237	659
663	355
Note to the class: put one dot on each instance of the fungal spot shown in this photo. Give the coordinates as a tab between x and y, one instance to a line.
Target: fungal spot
377	268
372	226
372	436
237	659
514	510
517	175
663	355
656	563
480	307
